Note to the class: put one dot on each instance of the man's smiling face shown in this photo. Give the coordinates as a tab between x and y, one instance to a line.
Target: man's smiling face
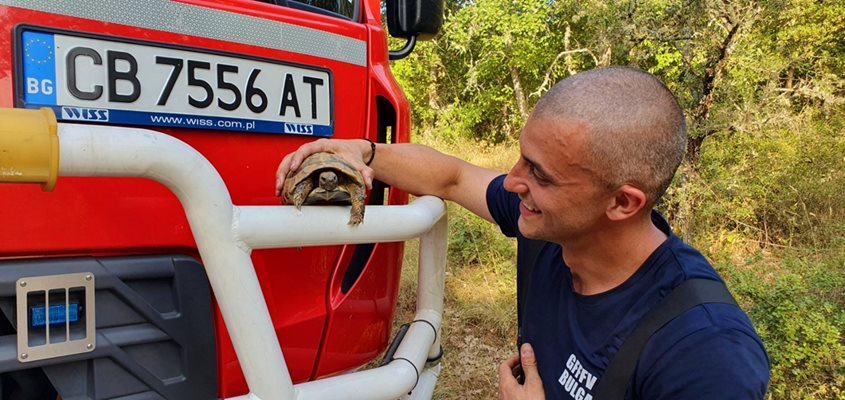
561	199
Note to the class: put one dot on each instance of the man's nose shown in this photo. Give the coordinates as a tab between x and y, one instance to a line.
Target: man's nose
514	180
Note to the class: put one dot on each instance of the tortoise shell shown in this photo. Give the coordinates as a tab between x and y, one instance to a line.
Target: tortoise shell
325	178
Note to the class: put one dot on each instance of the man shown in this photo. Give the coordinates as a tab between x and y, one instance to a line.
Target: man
598	151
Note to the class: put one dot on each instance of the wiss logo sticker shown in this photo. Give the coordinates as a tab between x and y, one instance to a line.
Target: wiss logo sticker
85	114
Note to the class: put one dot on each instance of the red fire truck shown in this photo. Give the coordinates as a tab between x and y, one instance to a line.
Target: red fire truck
242	82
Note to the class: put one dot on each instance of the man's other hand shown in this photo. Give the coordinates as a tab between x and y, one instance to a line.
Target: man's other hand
509	371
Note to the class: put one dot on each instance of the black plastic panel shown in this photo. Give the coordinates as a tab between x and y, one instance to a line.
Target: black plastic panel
155	336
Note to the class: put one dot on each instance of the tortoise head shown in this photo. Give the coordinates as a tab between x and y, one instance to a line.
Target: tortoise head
328	180
321	178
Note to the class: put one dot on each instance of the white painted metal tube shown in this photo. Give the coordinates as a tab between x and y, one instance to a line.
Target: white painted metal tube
425	387
421	342
110	151
389	382
384	383
262	227
225	235
431	288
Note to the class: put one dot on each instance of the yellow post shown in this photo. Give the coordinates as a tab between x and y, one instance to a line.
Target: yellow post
29	147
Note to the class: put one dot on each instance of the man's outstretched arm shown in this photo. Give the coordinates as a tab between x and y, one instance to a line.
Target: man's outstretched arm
414	168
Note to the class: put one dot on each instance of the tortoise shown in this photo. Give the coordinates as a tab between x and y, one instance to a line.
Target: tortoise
325	178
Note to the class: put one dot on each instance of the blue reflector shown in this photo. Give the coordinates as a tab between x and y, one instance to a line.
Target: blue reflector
57	314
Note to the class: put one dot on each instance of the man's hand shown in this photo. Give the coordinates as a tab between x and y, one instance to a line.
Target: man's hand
353	151
509	386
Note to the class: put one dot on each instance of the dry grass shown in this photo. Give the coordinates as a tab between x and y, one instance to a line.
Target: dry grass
479	326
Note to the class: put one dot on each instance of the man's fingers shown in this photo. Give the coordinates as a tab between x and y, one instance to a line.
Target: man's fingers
302	153
368	175
507	367
349	150
512	361
507	382
292	161
517	371
281	173
529	363
510	388
506	370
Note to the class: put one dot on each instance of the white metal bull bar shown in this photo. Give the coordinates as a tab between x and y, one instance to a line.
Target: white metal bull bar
226	234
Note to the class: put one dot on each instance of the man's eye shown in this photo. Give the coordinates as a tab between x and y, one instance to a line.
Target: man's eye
542	180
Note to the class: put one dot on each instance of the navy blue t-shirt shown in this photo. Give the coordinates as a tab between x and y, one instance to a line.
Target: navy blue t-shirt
709	352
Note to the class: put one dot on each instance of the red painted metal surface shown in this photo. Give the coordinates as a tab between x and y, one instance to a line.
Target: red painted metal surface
322	330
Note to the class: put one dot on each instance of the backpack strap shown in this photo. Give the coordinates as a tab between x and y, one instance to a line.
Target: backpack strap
618	375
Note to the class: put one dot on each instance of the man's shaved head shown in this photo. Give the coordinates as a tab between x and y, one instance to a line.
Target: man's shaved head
636	132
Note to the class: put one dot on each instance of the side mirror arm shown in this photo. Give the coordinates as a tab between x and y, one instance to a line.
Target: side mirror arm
405	51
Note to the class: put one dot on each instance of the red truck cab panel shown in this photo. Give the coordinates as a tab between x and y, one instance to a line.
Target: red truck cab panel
327	318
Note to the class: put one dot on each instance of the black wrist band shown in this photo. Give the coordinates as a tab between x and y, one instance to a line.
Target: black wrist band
372	152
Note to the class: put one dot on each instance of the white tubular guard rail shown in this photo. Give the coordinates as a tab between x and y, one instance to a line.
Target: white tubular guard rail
226	234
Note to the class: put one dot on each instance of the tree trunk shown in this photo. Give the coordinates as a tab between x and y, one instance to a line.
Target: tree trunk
604	61
521	103
712	74
433	94
790	75
568	61
518	91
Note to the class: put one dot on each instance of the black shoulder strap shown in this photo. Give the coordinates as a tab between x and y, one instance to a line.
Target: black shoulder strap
616	379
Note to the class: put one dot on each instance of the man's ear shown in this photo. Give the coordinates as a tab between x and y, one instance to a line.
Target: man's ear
627	202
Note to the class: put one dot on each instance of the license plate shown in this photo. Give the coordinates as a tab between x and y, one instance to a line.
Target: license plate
94	79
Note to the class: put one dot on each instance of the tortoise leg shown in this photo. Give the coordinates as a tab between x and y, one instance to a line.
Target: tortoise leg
357	211
300	192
